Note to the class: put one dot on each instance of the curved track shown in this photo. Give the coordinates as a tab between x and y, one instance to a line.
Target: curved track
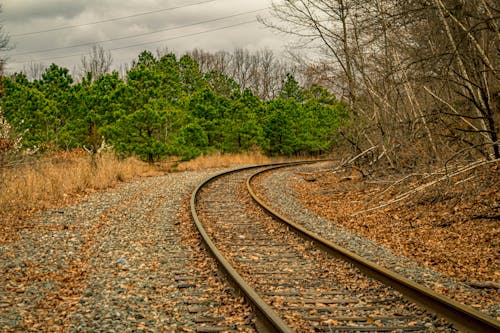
294	285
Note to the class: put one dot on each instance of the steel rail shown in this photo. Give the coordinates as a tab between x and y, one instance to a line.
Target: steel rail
464	317
269	319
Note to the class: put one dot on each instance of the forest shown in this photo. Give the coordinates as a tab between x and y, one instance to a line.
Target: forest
421	77
401	83
166	106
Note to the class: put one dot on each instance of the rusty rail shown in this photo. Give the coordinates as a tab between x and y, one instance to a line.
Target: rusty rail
464	317
269	320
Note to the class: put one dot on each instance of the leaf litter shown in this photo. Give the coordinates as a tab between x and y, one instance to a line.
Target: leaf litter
448	224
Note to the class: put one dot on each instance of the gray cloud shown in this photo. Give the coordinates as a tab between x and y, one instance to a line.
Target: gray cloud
22	16
24	10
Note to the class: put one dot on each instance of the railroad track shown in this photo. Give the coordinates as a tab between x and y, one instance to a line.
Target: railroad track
295	283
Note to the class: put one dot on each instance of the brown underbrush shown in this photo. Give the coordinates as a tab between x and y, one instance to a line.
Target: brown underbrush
64	177
447	219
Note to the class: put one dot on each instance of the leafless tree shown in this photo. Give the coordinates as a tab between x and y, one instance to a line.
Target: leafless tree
419	75
322	25
453	53
221	61
259	71
4	44
267	73
241	67
208	62
162	51
34	70
96	63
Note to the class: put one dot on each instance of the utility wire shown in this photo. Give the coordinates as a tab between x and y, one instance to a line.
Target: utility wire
187	35
153	42
109	20
137	35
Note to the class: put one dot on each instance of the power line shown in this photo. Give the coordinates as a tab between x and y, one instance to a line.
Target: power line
109	20
152	42
187	35
137	35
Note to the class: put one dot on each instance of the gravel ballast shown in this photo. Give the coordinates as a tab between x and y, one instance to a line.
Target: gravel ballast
125	260
277	188
130	260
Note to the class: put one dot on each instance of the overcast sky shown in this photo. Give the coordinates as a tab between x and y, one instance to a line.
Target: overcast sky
43	30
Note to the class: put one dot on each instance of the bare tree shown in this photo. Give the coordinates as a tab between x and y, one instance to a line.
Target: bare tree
267	73
221	61
34	70
4	44
96	63
241	67
421	77
459	68
162	51
266	66
323	25
259	71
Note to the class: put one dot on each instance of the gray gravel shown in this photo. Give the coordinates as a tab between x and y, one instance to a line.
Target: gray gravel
114	263
309	290
119	262
281	197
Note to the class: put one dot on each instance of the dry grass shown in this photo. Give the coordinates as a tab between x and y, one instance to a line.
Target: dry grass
63	177
218	160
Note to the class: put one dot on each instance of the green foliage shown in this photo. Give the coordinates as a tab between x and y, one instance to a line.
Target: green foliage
242	128
303	122
191	77
190	141
141	133
221	84
43	110
168	107
98	106
291	89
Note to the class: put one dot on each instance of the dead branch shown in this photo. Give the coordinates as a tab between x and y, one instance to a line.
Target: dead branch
358	156
457	113
484	285
465	180
400	181
405	195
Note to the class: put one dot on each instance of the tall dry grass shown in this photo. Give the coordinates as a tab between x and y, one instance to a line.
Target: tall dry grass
62	177
219	160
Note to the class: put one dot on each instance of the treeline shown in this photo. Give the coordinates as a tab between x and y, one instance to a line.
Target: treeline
259	71
164	106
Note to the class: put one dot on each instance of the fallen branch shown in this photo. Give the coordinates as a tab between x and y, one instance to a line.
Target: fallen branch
344	163
405	195
465	180
358	156
484	285
400	181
